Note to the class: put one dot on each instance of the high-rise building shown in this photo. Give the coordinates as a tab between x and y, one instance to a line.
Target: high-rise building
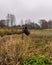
10	20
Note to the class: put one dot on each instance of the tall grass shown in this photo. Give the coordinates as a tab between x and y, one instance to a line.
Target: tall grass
15	51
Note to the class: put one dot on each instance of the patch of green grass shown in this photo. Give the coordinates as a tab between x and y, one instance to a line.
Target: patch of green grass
37	60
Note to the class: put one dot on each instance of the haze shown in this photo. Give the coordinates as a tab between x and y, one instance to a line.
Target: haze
26	9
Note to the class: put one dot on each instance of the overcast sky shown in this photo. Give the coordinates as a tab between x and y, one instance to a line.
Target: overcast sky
26	9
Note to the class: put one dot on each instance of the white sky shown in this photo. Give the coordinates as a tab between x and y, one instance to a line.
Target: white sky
26	9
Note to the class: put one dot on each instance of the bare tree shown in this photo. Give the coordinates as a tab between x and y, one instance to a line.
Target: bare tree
2	23
50	24
43	23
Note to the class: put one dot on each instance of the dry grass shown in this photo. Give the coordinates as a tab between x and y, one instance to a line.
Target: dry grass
13	49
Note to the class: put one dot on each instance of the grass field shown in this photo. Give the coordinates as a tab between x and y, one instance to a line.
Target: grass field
35	49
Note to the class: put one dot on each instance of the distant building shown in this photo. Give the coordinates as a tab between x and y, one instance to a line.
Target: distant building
10	20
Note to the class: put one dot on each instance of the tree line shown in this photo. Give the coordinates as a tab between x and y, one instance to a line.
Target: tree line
43	24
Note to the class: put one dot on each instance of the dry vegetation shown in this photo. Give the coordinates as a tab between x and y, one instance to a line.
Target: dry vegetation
14	50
